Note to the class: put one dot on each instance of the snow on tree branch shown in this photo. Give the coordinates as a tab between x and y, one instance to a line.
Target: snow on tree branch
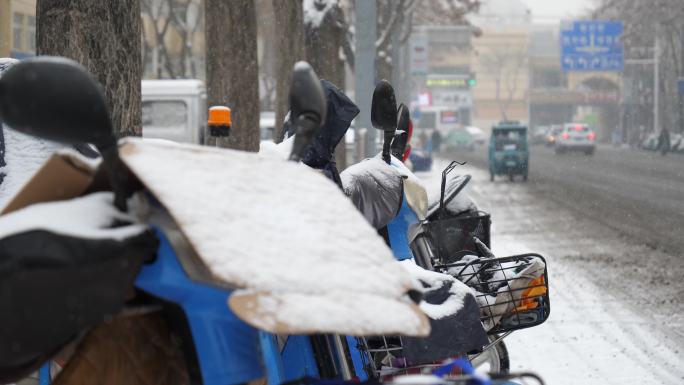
316	10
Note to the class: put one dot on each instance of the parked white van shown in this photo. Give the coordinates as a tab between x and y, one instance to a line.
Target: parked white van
174	110
443	119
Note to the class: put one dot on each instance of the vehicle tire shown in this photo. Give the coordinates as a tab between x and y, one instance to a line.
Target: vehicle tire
491	176
525	177
589	152
496	358
511	176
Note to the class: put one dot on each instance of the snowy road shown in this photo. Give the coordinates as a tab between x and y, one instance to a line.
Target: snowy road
616	317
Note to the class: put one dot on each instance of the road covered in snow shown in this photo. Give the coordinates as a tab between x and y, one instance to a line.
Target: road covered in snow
616	305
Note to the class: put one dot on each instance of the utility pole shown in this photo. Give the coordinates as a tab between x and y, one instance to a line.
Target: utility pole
652	61
656	80
364	68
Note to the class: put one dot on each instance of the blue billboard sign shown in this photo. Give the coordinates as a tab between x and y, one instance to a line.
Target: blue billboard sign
592	45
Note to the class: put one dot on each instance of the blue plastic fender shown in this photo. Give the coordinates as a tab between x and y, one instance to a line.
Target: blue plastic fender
398	231
298	358
44	377
227	348
358	358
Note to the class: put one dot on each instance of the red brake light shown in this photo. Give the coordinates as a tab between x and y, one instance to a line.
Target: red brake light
591	136
565	135
407	152
410	130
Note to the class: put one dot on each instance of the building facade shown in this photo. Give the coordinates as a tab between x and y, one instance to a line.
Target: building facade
441	69
557	97
501	62
17	28
502	66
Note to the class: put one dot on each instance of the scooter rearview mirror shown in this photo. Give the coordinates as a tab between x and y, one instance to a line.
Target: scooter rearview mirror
403	118
56	99
398	146
307	105
400	139
384	114
384	107
306	93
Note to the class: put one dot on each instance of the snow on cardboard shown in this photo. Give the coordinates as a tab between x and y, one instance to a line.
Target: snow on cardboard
304	259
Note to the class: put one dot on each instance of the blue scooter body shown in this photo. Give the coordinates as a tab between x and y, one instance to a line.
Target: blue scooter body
397	231
227	349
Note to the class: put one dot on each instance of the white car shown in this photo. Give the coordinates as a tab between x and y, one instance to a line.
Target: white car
477	134
576	137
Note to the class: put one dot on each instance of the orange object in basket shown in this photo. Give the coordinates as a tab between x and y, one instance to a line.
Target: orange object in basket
535	289
219	116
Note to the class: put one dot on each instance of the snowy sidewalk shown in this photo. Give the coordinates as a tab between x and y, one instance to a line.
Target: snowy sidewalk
597	333
591	338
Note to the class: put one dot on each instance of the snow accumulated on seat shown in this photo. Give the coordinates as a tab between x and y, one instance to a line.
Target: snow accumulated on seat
284	234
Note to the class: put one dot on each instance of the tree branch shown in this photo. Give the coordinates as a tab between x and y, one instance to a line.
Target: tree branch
391	25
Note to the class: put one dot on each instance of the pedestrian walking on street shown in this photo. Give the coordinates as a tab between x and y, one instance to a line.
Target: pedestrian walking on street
664	141
436	141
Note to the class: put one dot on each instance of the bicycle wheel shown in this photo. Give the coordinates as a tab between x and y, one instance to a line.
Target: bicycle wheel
493	360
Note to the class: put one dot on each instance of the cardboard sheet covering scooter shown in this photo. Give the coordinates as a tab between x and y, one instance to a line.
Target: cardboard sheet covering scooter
313	264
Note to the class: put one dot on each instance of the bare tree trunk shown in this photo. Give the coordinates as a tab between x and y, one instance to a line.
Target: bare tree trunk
185	27
323	48
268	53
232	70
500	102
145	55
104	36
289	45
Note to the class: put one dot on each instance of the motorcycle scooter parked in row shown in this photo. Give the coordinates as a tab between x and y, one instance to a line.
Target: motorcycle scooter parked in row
451	237
373	186
186	278
94	258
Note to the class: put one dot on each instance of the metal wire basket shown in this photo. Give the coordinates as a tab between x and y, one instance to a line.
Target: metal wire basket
453	235
383	357
524	378
512	292
379	361
497	379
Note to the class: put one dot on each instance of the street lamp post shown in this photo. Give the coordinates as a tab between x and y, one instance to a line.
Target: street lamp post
656	80
364	69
